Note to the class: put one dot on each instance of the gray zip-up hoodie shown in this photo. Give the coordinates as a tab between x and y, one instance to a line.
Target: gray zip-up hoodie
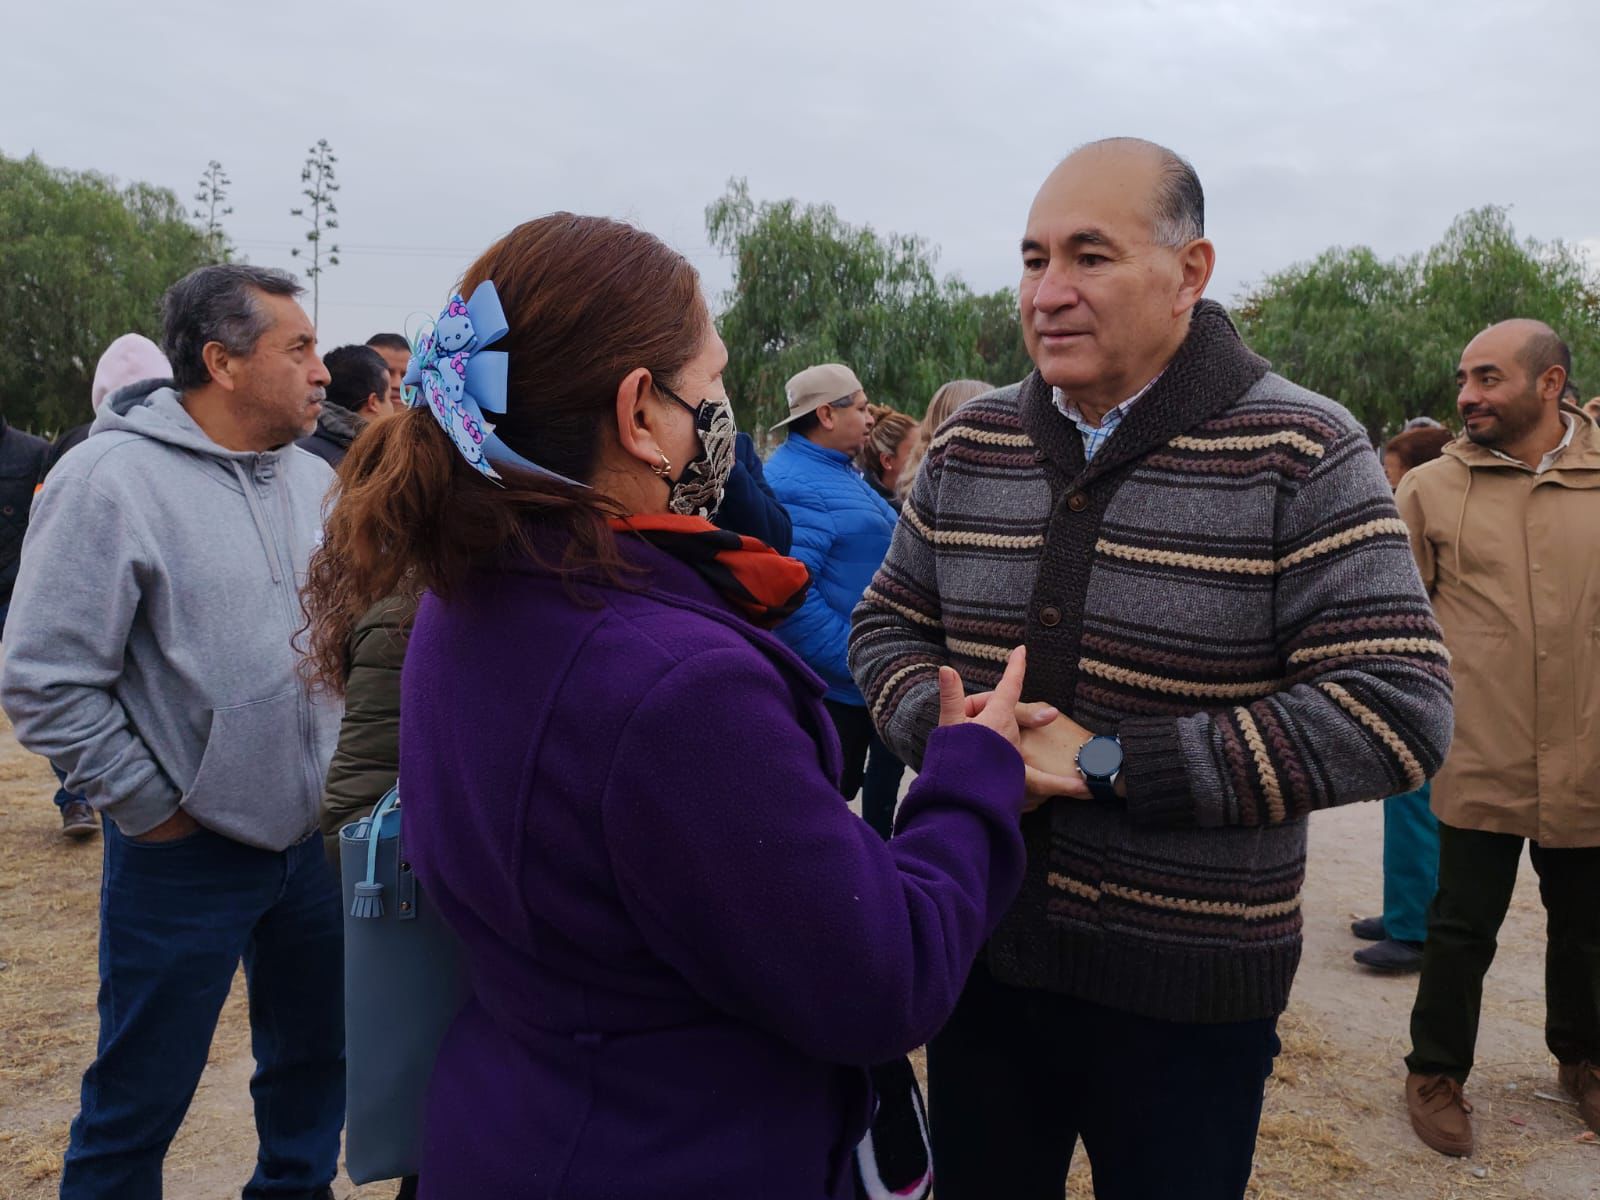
148	647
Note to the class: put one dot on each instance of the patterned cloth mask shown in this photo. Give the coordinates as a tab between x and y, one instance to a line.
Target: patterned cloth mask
458	380
697	492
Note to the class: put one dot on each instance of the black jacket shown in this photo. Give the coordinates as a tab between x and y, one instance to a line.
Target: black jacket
62	444
748	504
22	458
336	429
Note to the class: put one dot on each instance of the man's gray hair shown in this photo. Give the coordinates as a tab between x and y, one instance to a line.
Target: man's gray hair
1180	201
219	303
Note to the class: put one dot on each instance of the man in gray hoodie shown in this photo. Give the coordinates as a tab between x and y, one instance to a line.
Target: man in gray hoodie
149	655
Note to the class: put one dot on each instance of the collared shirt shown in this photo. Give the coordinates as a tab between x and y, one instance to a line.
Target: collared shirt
1549	460
1095	436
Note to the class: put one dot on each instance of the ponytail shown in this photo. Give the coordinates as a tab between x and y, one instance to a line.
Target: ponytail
586	300
410	515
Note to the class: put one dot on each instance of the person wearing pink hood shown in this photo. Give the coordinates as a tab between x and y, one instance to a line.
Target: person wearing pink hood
133	362
132	358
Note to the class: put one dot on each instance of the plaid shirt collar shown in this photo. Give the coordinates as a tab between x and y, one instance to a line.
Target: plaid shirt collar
1095	436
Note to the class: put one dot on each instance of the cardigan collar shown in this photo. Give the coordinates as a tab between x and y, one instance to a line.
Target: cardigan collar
1211	370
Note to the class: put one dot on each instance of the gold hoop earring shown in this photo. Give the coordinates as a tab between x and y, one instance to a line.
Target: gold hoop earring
664	471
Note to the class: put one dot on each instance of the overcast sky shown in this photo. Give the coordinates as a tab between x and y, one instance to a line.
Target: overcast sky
1311	122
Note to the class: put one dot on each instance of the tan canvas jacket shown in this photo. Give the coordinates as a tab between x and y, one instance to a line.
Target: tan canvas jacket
1512	562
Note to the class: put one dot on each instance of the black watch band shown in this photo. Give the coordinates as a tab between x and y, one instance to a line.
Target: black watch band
1102	789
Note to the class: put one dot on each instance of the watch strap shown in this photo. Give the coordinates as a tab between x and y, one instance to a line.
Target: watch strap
1102	789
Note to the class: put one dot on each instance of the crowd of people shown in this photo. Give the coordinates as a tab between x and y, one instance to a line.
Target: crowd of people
1130	622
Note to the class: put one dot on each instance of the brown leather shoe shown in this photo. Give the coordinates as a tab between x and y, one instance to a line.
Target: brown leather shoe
1581	1081
77	820
1439	1113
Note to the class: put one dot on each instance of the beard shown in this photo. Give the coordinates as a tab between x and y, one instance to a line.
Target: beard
1507	424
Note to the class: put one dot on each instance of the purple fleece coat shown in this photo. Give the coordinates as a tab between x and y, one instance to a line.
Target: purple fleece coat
683	945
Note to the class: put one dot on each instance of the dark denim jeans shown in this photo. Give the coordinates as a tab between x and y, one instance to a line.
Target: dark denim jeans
1165	1110
175	920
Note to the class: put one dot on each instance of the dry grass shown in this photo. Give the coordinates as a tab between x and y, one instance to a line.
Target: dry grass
34	1156
49	926
49	893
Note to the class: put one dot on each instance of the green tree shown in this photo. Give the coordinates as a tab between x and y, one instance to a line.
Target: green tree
1004	358
82	261
1383	338
809	287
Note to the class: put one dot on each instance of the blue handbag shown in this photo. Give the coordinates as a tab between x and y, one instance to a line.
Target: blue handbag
404	982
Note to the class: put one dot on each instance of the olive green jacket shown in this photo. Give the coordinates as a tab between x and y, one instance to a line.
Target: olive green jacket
366	761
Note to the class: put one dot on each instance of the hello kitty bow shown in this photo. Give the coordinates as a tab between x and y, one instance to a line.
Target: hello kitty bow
459	381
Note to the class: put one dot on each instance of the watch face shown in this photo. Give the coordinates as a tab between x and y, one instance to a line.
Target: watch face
1100	758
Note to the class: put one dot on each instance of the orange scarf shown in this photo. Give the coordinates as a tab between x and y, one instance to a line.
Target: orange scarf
763	584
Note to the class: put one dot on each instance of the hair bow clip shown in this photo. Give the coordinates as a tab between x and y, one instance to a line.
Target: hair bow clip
459	380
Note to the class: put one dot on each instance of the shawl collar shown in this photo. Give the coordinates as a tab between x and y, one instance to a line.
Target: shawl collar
1210	371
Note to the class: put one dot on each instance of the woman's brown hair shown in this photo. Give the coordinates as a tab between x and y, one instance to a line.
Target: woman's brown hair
889	428
945	401
1417	446
587	300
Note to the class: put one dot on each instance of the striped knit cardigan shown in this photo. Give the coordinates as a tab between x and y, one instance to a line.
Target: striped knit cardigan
1228	588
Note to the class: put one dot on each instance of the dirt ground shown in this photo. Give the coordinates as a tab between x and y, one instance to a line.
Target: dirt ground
1334	1126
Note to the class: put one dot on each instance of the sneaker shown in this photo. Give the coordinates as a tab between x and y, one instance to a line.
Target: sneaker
1581	1081
1369	929
1391	957
78	820
1439	1114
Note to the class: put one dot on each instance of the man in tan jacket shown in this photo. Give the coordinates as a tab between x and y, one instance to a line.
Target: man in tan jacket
1499	528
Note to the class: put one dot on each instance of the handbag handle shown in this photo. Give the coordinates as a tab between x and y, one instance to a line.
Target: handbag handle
369	892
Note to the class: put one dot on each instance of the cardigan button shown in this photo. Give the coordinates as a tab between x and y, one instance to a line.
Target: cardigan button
1077	502
1049	616
1039	456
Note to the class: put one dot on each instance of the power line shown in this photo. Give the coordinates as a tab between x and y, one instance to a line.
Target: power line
388	251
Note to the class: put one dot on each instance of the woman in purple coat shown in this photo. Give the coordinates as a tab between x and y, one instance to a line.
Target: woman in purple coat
619	789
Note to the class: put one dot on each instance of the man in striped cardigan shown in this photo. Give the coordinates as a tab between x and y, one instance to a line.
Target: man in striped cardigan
1207	568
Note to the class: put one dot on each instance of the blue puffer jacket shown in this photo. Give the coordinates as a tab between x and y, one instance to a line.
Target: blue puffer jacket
841	532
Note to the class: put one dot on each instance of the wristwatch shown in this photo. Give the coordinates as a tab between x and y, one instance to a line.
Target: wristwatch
1100	762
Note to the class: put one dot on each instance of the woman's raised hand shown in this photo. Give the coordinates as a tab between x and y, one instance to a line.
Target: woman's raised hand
997	709
1002	711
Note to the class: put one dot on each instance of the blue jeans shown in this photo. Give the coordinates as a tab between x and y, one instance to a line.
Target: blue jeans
62	796
1410	864
175	920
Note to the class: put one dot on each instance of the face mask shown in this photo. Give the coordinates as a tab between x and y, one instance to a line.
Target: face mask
698	491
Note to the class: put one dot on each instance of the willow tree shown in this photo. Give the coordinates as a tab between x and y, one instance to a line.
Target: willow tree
810	287
83	260
1383	337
